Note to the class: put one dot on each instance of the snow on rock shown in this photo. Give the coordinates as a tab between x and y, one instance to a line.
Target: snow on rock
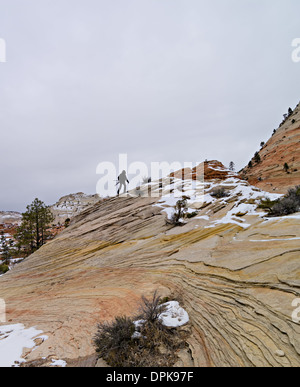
10	217
239	193
13	339
173	315
136	335
139	323
58	363
71	205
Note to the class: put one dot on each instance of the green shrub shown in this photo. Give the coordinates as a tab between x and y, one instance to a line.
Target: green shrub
267	204
190	215
257	158
3	269
286	167
67	222
287	205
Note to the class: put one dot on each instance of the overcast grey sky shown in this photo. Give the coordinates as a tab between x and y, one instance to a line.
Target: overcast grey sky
160	80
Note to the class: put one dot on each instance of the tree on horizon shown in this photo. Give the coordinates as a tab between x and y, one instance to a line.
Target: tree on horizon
32	234
5	254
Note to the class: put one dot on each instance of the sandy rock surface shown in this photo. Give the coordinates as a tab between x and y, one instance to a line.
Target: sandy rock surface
236	282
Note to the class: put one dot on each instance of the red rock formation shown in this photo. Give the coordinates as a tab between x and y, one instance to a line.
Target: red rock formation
282	149
210	169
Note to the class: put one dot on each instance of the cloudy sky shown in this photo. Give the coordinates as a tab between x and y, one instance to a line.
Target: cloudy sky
160	80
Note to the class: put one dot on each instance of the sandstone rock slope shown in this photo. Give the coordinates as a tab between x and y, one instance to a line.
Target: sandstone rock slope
280	152
236	274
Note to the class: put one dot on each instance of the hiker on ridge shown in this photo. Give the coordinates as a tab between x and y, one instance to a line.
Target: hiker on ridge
122	179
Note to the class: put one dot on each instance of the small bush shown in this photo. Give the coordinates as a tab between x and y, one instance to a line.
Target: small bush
286	167
67	222
257	158
3	269
154	346
113	340
191	215
180	212
219	193
287	205
284	207
267	204
150	309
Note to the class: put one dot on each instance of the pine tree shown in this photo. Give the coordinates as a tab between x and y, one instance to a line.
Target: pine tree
286	167
232	166
67	222
5	254
257	158
32	234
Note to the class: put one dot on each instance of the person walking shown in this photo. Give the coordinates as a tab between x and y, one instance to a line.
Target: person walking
122	179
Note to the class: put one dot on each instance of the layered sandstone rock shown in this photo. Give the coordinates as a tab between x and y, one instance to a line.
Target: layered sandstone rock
71	205
282	149
235	273
207	170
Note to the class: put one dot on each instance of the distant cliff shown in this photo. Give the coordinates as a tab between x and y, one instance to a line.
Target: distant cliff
276	166
71	205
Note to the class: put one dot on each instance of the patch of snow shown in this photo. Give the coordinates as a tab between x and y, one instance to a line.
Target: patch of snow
173	316
169	211
204	217
281	218
136	335
13	339
58	363
275	240
139	323
294	216
200	193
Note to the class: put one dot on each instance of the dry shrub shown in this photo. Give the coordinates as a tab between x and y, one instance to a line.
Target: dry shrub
287	205
113	340
150	309
219	193
181	208
156	345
